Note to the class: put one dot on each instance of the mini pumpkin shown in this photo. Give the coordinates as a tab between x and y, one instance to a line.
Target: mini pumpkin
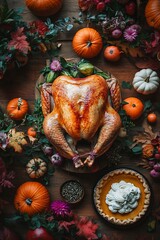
133	107
17	108
44	8
147	151
152	11
31	198
87	43
36	168
146	81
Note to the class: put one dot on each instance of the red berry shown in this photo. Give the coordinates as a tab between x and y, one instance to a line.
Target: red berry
100	6
130	8
157	156
116	33
158	149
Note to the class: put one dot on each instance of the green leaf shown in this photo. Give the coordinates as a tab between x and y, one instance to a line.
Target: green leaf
63	62
137	149
69	27
102	74
147	105
126	85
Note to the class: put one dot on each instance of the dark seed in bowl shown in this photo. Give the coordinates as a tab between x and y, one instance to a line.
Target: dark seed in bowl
72	191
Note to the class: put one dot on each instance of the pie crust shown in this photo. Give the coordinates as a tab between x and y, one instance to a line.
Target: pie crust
104	185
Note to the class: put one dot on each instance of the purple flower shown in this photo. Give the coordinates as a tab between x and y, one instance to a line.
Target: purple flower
3	140
60	208
136	27
130	34
56	66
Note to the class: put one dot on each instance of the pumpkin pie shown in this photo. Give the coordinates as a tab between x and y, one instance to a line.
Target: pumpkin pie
111	204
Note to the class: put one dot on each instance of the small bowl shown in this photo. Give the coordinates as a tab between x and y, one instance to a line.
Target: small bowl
72	191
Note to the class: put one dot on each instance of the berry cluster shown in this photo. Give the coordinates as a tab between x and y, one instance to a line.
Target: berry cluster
116	18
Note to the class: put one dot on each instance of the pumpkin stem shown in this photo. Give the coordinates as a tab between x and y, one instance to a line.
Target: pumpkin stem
147	79
133	105
89	43
35	167
28	201
19	103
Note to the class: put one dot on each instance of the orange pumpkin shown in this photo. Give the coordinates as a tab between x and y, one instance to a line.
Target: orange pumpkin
31	132
87	43
17	108
133	107
31	198
44	8
152	15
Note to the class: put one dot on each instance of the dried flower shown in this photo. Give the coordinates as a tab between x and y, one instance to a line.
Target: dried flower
3	140
39	27
130	34
87	228
56	66
60	208
19	41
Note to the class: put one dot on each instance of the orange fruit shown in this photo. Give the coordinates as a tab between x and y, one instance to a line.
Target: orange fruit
31	132
133	108
152	117
112	53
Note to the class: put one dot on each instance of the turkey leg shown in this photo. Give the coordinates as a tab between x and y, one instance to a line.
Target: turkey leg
107	135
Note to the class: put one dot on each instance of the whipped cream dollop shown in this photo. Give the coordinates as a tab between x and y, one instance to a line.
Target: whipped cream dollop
123	197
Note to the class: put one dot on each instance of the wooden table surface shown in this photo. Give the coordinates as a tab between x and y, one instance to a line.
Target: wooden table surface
21	83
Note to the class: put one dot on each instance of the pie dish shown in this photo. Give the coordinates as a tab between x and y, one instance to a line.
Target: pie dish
103	188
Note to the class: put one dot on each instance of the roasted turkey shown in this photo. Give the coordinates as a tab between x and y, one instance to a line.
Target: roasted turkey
81	112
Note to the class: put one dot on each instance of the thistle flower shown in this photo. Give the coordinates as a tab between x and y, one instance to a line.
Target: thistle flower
3	140
56	159
56	66
60	208
130	34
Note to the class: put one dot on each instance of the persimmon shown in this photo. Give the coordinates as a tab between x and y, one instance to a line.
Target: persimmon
112	53
152	118
133	107
31	132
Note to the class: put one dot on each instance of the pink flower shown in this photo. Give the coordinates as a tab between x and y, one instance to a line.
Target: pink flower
60	208
56	66
19	41
130	34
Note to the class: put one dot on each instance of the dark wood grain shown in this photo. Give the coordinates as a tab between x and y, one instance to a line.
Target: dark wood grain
21	83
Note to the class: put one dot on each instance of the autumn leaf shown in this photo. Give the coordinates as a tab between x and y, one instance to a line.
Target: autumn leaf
16	140
147	63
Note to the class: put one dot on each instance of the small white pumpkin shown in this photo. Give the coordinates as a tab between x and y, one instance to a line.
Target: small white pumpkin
36	168
146	81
